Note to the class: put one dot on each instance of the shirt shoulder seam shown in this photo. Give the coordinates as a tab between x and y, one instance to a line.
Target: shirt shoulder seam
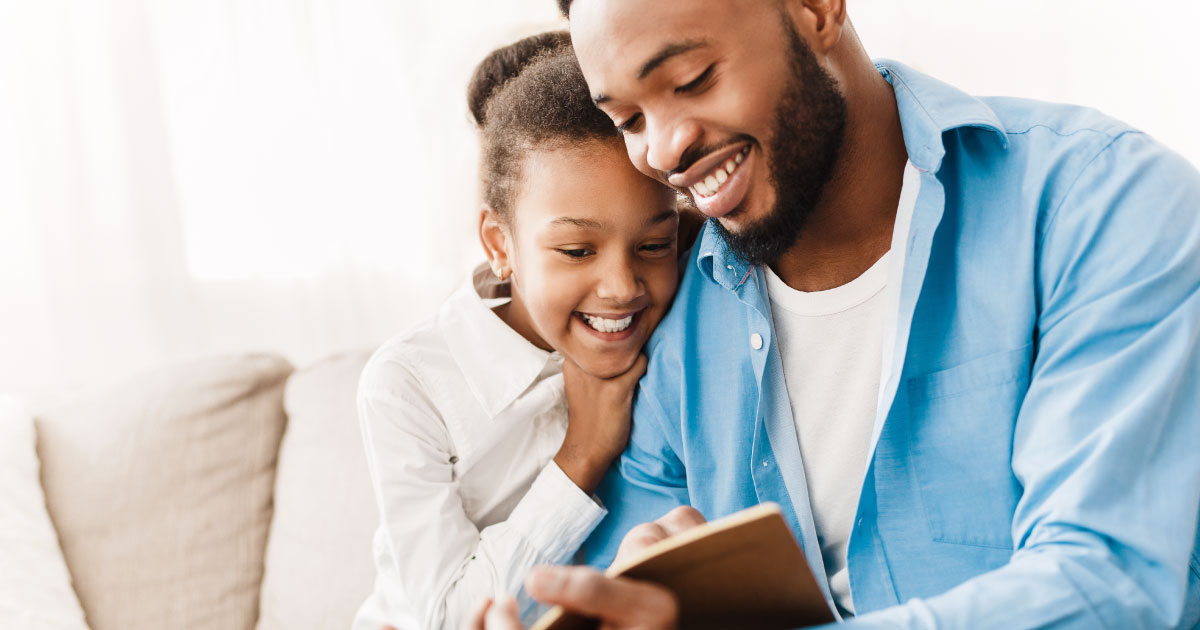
1053	217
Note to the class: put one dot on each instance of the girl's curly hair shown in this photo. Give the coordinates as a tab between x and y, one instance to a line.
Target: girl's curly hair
530	95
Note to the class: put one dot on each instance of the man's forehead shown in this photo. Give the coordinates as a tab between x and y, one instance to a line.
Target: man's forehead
621	36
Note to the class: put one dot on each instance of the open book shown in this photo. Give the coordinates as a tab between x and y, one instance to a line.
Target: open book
741	571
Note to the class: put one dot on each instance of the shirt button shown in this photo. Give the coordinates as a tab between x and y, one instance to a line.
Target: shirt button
756	341
765	463
729	267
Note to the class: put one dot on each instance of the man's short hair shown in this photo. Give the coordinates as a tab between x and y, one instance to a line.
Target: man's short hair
565	7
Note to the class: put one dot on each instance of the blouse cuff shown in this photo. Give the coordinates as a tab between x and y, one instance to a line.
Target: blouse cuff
555	516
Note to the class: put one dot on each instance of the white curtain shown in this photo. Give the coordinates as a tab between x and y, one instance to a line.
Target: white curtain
189	177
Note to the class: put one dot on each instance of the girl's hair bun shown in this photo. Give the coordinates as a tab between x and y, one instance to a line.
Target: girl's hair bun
504	64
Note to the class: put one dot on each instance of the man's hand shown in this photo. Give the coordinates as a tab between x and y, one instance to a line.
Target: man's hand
618	603
680	519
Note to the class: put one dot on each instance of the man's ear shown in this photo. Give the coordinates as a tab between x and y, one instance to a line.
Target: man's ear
820	21
496	240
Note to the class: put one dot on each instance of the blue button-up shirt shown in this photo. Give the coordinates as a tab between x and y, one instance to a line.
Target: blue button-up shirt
1035	459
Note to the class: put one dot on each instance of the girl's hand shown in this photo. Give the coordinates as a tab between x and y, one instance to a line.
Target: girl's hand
598	426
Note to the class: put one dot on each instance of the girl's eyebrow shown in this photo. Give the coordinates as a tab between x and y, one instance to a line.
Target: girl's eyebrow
590	224
665	215
582	223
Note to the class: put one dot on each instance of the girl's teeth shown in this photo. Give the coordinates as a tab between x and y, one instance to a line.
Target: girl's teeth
608	325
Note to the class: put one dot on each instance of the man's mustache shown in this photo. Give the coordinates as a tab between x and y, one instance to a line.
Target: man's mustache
695	154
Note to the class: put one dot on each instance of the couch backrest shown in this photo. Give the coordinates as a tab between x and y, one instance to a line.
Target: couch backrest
318	563
160	489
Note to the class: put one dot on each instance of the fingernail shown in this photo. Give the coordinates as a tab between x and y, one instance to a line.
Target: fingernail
545	581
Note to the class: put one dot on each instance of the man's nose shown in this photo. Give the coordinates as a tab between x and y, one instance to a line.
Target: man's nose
667	140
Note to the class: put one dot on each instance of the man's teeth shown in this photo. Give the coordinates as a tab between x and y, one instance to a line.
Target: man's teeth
608	325
713	182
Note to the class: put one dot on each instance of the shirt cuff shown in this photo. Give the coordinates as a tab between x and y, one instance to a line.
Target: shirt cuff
555	516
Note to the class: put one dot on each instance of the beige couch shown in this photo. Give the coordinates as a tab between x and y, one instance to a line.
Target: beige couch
224	494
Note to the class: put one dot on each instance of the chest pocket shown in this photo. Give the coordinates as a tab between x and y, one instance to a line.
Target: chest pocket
963	419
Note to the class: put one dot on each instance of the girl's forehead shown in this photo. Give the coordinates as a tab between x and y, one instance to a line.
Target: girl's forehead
592	185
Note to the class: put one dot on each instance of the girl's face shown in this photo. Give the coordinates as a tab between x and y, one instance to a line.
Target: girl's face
592	248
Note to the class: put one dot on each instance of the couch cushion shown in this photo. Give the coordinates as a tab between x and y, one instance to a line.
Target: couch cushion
318	566
160	488
35	587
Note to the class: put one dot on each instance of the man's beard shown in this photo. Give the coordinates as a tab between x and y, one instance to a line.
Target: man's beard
809	125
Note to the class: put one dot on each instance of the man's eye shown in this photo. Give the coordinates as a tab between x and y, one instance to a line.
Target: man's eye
575	253
695	83
629	123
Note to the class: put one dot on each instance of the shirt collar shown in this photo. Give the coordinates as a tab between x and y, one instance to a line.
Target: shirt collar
928	109
717	261
497	363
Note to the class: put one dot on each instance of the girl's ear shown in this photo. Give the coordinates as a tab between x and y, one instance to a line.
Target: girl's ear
494	236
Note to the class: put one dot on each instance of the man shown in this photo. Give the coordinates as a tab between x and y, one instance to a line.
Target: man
957	339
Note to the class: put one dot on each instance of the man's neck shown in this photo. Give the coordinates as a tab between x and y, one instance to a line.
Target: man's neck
851	227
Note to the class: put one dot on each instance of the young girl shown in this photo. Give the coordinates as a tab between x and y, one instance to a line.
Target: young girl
488	427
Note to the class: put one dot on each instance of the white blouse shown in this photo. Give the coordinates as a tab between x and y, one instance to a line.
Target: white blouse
461	417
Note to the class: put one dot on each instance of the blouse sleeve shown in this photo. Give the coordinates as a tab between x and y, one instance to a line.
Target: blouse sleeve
431	559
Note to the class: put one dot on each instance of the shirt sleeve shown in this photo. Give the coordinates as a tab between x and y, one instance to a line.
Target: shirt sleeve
1106	439
647	482
430	557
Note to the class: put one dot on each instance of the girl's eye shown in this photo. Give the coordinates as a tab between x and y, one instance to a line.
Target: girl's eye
575	253
658	248
629	123
695	84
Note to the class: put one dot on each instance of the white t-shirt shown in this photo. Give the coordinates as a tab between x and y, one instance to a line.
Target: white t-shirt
832	344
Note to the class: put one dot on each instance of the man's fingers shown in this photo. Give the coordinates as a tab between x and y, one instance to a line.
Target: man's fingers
638	538
681	519
616	602
502	615
641	536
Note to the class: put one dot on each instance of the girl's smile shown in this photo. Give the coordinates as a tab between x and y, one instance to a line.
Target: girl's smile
592	249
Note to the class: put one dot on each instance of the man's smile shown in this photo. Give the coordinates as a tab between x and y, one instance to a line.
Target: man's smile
718	182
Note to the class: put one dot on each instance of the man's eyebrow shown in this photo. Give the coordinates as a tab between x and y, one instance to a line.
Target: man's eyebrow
667	52
662	56
582	223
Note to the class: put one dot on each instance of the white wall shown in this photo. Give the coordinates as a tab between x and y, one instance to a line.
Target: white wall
187	177
1134	61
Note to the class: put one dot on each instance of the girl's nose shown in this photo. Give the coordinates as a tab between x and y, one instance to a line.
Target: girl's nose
619	283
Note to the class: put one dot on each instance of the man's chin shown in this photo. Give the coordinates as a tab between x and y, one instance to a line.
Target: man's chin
743	217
